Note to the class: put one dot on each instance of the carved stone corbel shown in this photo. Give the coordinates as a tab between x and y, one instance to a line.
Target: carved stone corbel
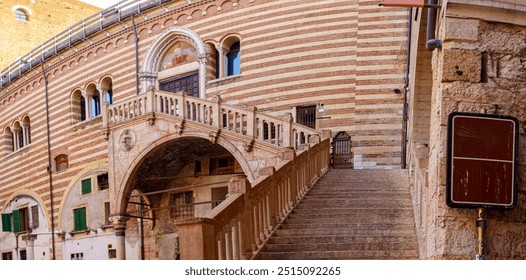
248	146
106	134
217	99
151	120
179	127
213	135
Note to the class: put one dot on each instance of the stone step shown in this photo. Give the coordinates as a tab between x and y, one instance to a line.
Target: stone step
383	214
349	214
388	246
333	224
342	255
336	239
343	231
355	204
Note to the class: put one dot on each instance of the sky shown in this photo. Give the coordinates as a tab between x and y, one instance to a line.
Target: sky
101	3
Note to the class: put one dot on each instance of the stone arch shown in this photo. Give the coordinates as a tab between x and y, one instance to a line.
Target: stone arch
152	57
124	188
212	10
156	28
98	166
99	51
119	42
182	19
33	195
197	14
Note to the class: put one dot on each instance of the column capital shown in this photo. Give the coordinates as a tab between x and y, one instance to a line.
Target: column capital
119	221
29	238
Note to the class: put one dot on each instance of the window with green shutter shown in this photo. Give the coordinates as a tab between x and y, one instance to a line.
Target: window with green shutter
16	221
6	222
79	219
86	186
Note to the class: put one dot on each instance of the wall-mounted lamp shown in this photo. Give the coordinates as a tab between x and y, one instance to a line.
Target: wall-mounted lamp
321	110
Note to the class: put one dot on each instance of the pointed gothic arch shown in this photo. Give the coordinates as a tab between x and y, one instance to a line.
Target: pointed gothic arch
152	58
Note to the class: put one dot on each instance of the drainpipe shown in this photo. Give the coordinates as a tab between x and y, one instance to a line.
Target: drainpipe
49	164
406	88
431	42
136	55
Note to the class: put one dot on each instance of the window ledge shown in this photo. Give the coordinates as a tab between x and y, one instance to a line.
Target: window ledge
106	226
23	232
79	232
224	80
85	123
21	150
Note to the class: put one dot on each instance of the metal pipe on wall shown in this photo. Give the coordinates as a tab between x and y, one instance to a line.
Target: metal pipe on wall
49	164
431	42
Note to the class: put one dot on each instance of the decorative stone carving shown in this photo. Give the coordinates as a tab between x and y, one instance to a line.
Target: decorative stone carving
119	221
213	135
179	127
127	139
217	99
151	120
248	146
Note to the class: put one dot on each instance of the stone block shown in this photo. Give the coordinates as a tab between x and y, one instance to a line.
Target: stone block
462	29
461	65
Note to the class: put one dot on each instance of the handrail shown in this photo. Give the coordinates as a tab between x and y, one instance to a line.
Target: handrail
280	132
240	226
75	34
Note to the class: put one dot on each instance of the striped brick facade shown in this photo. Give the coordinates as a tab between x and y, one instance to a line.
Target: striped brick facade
347	55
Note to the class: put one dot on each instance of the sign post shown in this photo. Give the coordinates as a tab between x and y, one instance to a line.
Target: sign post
482	160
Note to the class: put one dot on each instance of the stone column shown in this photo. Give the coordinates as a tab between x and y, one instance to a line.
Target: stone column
87	104
16	136
30	245
202	75
147	80
119	225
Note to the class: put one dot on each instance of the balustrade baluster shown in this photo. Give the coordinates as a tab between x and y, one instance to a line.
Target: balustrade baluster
261	222
221	254
235	240
256	224
228	242
268	214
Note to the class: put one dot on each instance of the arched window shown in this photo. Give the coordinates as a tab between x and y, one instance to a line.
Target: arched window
8	140
61	163
21	15
78	106
82	108
95	104
26	129
108	96
233	60
18	135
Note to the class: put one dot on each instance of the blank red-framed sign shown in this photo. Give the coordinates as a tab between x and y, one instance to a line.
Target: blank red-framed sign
482	158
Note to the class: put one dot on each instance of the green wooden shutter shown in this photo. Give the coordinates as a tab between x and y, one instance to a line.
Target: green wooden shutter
86	186
79	216
83	220
76	220
16	221
6	222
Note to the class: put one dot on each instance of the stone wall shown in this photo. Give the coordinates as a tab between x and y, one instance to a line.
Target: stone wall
45	20
481	69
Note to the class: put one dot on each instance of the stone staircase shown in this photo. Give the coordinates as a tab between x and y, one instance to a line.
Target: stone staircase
349	214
